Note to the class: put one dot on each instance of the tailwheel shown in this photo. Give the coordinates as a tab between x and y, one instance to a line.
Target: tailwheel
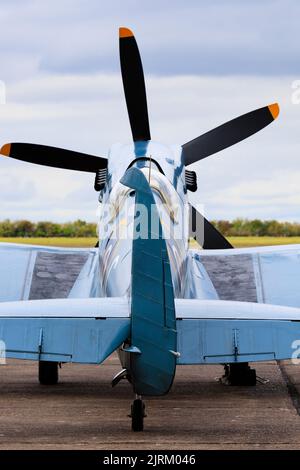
48	372
239	374
137	415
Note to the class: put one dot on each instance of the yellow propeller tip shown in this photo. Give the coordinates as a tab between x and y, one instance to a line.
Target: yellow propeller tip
125	33
5	150
274	110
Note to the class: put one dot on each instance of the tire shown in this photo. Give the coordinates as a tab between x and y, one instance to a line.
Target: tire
48	372
137	415
241	375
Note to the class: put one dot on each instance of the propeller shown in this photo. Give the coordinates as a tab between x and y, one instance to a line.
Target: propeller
229	133
205	233
134	85
53	156
135	94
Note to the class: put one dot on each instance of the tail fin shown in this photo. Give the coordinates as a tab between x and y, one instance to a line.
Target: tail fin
153	321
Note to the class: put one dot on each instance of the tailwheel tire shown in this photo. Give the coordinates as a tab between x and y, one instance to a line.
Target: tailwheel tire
240	374
48	372
137	415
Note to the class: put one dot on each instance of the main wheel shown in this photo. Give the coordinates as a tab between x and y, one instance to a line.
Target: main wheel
48	372
137	415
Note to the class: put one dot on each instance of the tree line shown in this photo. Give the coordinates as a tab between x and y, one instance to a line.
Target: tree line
81	228
257	228
25	228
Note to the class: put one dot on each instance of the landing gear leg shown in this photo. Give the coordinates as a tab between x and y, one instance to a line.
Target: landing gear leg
48	372
239	374
137	414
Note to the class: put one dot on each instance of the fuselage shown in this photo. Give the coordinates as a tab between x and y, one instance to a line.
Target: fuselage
118	222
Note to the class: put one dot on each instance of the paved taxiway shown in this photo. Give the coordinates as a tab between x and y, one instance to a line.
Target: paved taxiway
84	412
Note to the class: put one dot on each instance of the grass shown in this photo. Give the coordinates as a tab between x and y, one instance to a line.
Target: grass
242	242
54	241
237	242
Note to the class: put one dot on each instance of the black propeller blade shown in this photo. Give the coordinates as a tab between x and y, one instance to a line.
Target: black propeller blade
205	233
53	156
134	85
229	133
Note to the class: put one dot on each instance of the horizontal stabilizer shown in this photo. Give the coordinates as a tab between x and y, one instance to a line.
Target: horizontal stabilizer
106	307
64	330
227	309
222	332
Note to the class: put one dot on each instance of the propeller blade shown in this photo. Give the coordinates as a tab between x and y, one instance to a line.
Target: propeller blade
54	157
229	133
205	233
134	85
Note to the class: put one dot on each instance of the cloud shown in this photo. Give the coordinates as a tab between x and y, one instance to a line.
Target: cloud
257	199
194	37
88	113
205	63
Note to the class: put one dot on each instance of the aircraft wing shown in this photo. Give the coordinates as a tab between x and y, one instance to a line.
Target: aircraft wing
228	319
262	274
50	306
29	272
243	306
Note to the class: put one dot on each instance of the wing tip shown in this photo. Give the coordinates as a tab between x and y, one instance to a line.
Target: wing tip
274	110
5	150
125	32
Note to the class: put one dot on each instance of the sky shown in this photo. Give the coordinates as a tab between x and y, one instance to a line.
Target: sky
204	62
